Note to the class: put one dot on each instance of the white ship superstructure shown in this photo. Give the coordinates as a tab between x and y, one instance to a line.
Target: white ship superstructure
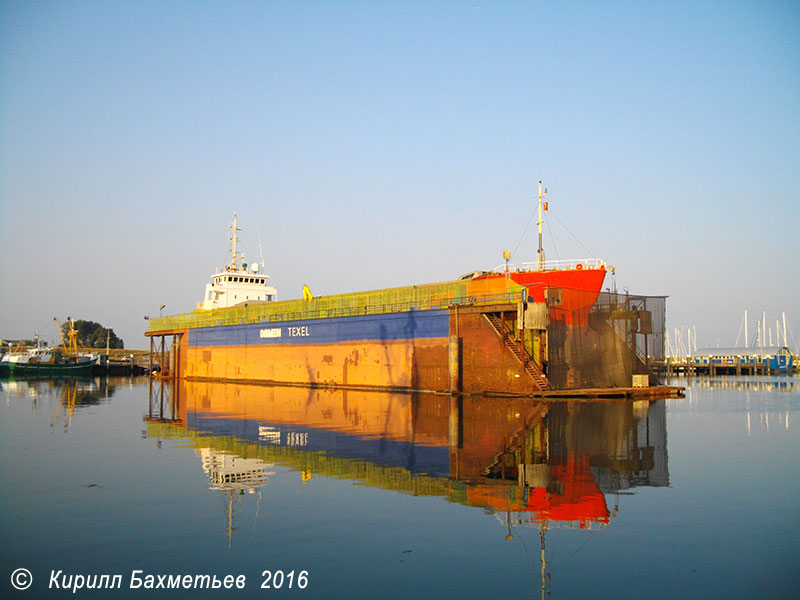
237	283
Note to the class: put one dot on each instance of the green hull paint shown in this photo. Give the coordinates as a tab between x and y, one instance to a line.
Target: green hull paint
36	370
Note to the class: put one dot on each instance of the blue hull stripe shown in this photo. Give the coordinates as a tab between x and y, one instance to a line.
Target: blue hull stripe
387	327
431	460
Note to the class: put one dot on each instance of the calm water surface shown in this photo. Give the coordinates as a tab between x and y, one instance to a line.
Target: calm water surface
389	496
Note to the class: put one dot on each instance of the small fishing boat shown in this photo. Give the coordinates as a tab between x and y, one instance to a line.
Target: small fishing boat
42	361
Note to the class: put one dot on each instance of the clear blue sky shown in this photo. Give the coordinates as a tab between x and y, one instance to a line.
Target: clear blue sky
390	143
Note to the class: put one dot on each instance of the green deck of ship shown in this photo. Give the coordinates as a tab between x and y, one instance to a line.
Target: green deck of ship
399	299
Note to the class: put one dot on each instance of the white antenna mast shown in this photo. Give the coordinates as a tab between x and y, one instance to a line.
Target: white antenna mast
260	251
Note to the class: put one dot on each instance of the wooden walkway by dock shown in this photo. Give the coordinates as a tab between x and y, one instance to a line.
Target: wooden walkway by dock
626	393
602	394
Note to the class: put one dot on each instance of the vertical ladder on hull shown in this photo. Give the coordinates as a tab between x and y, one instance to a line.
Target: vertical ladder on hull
534	370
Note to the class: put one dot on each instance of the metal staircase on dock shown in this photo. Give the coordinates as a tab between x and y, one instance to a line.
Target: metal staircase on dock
534	370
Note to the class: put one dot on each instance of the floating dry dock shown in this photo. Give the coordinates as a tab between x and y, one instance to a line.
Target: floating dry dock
529	330
481	335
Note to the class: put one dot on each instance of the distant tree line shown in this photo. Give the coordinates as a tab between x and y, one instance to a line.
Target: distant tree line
93	335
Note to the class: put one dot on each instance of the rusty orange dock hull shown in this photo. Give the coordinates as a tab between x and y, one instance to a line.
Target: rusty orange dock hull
418	362
437	337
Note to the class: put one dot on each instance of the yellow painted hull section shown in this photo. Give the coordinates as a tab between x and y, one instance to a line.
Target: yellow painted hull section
386	365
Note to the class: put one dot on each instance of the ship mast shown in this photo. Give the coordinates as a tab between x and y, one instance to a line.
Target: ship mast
540	253
234	239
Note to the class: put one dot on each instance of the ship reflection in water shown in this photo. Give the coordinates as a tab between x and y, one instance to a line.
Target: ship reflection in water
60	399
529	463
393	496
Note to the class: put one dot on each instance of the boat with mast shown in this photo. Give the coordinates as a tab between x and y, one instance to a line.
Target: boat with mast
41	361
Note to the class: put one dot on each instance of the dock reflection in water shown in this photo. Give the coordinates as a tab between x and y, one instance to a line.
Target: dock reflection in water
529	463
59	398
390	496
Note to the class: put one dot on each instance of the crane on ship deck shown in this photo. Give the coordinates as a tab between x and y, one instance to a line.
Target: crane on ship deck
72	349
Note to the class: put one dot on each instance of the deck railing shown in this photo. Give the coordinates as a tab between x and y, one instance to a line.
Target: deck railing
551	265
298	310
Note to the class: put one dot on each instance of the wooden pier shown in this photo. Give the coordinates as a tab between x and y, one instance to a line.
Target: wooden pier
123	363
612	394
622	393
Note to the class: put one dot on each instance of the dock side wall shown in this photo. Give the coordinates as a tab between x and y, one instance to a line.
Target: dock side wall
487	363
398	351
389	365
389	351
